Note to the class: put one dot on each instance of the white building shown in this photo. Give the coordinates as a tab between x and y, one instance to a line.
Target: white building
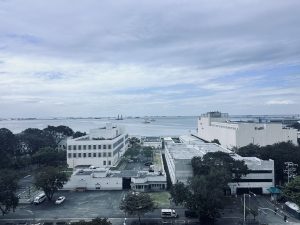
216	125
154	142
102	147
179	155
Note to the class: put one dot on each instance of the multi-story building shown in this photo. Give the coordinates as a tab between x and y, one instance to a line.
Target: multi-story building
216	125
102	147
179	156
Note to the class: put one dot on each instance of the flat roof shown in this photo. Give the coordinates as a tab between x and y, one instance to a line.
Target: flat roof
151	139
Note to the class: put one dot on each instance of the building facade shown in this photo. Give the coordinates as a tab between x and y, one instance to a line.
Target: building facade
216	125
102	147
179	156
154	142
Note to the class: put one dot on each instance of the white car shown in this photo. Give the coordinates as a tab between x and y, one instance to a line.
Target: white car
60	200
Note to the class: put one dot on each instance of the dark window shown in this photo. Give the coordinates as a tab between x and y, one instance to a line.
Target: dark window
94	154
99	146
84	155
104	146
84	147
79	155
109	146
79	147
69	155
109	154
70	147
74	147
109	162
90	147
94	146
74	155
104	154
104	163
90	154
99	154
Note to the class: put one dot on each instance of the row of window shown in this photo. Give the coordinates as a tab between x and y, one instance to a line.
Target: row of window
89	147
84	155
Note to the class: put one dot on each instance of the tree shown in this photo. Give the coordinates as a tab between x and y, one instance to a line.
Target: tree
8	188
59	133
50	179
292	190
78	134
147	152
134	141
7	148
35	139
136	203
204	192
132	152
96	221
49	157
279	152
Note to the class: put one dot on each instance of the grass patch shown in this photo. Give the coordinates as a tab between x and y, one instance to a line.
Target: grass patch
161	199
157	160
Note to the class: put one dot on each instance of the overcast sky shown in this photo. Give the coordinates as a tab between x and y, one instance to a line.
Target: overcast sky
103	58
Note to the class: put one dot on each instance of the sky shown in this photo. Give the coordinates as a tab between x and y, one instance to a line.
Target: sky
133	57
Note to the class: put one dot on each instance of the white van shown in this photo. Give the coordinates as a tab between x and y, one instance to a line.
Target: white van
168	213
39	199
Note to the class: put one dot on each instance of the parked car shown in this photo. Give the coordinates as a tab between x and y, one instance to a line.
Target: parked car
39	199
60	200
190	214
148	163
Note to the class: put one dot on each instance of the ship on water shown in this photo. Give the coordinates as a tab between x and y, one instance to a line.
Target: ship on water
119	117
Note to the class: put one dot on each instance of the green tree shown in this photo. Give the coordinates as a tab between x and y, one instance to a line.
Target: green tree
8	188
279	152
136	203
147	152
292	190
134	141
35	139
49	157
7	148
50	179
78	134
96	221
59	133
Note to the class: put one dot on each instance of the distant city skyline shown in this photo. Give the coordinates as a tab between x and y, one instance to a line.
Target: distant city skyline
66	58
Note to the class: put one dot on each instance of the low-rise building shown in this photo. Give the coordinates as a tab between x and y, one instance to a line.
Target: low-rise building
102	147
216	125
154	142
179	156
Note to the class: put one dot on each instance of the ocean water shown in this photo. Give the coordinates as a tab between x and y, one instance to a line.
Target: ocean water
162	126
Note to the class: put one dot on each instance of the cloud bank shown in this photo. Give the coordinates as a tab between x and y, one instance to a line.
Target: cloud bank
103	58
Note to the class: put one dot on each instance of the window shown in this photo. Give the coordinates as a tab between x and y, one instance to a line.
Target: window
104	163
79	147
79	155
90	147
94	154
69	155
84	155
90	154
74	147
74	155
109	154
99	154
109	162
70	147
104	146
99	146
104	154
109	146
84	147
94	146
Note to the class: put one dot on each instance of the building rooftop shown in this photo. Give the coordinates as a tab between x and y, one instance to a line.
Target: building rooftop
151	139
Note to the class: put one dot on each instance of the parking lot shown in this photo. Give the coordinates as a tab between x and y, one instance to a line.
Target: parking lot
88	204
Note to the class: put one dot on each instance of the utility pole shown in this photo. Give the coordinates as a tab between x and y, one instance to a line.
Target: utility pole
290	170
